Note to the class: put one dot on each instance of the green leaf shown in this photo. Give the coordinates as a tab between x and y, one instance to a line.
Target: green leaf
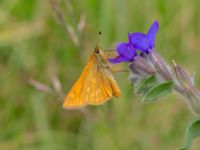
145	84
157	91
192	132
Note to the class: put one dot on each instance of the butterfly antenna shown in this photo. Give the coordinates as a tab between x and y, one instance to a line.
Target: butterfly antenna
97	43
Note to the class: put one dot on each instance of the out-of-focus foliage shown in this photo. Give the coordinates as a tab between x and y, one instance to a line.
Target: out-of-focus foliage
33	45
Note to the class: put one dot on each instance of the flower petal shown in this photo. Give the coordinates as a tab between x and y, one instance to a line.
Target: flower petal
126	53
152	33
118	59
140	41
145	42
154	28
126	50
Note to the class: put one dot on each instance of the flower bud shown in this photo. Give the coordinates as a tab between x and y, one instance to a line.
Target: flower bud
182	76
160	65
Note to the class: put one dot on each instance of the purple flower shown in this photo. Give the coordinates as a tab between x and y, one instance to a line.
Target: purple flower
126	53
145	42
137	41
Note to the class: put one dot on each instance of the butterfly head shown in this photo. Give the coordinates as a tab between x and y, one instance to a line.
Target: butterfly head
99	51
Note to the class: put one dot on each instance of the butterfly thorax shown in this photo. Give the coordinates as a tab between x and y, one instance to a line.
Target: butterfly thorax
101	58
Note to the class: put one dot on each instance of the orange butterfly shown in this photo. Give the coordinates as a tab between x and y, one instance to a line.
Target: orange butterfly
95	85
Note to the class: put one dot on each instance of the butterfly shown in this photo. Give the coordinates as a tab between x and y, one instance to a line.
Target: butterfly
95	85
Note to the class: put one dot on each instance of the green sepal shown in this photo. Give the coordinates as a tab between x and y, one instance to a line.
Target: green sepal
145	84
157	91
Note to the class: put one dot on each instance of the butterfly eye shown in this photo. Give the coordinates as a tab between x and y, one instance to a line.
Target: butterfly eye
96	51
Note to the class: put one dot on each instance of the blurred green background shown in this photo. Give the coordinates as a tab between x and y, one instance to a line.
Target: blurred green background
35	46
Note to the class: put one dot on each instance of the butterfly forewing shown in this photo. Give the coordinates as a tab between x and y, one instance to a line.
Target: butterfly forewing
99	90
75	98
95	86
